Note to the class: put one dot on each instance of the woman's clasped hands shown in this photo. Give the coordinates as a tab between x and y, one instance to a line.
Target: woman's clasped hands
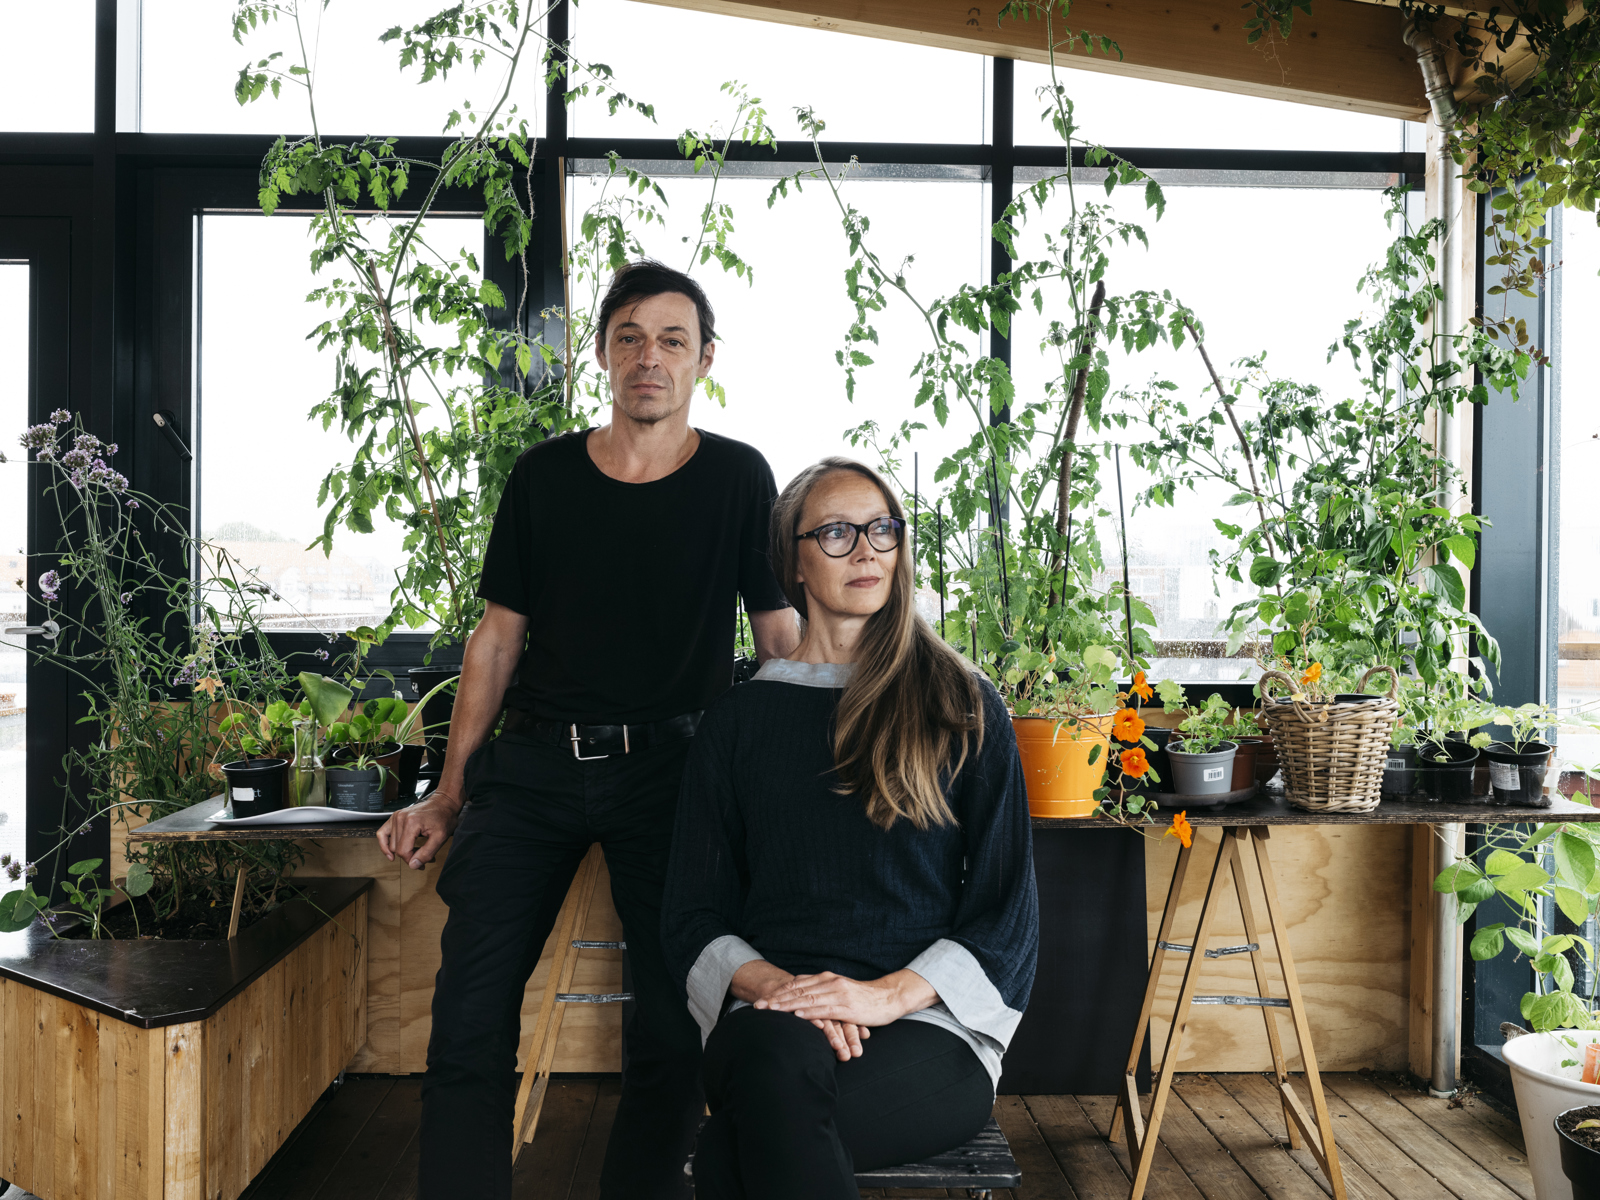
844	1009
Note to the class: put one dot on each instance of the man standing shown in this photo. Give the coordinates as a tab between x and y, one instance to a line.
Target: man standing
610	583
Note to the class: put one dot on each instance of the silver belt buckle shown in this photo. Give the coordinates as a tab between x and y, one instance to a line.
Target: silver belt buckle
592	757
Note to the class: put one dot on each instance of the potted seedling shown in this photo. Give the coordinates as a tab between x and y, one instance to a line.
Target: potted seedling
362	756
1518	764
1447	755
257	780
325	701
1202	763
1247	733
1400	768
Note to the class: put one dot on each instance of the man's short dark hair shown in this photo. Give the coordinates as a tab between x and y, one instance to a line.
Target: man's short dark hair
645	278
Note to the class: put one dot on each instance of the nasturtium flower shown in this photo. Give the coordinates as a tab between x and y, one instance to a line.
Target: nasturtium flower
1181	829
1127	726
1140	688
1312	675
1134	763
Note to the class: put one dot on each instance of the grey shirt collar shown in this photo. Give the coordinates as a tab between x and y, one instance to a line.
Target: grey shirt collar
822	675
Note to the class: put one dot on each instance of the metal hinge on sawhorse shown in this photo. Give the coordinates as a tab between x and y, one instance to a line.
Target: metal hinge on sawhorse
1127	1122
540	1053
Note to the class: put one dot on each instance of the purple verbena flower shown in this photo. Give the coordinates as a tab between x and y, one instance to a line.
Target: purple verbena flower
60	417
38	437
322	654
127	596
133	504
13	871
49	585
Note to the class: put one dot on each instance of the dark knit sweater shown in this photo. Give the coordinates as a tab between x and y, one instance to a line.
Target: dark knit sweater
769	861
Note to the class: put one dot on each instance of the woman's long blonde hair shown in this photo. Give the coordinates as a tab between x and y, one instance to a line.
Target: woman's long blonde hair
913	709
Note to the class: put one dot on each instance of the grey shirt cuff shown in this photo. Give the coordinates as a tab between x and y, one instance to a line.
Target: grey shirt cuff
711	976
966	990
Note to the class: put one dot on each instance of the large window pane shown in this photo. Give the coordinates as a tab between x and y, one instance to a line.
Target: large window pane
777	338
1113	110
47	84
1577	363
1292	313
191	63
864	88
262	458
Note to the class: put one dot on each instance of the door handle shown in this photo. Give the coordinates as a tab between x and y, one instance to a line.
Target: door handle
49	631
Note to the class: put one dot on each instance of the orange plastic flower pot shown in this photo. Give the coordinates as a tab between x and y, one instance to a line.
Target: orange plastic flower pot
1055	762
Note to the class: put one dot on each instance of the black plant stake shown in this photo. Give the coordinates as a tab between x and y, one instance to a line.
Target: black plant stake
938	523
1000	545
1127	591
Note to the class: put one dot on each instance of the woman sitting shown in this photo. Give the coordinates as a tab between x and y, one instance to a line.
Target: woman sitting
850	900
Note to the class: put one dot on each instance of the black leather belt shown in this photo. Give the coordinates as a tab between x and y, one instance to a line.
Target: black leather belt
601	741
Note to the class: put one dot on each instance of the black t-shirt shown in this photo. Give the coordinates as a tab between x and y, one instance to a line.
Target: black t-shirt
629	588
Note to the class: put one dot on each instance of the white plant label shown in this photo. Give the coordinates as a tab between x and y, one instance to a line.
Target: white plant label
1395	764
248	795
1212	774
1506	776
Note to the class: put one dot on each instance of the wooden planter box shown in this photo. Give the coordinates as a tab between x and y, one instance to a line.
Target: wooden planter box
174	1070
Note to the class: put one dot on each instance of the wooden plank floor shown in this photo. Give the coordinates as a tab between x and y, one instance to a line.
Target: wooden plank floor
1223	1139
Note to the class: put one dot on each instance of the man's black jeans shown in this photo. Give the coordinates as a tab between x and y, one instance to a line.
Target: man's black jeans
534	811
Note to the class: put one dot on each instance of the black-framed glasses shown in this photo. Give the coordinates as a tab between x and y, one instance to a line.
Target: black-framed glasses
839	538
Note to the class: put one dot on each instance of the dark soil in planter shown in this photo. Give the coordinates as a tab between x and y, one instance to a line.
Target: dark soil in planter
198	918
1568	1124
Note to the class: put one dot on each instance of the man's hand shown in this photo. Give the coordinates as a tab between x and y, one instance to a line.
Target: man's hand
432	820
830	997
758	980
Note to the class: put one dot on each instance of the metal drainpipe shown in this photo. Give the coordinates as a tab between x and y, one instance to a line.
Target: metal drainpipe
1446	936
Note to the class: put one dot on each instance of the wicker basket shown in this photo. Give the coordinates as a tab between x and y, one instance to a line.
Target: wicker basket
1332	754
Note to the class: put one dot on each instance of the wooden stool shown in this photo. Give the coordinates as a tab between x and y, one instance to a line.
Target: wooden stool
1141	1138
540	1051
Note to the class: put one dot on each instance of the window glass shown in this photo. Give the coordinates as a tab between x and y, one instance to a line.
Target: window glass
191	63
1577	364
777	338
262	459
47	85
866	89
14	326
1114	110
1292	313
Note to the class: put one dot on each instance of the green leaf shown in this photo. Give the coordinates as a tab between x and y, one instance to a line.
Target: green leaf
1478	892
18	909
1523	941
84	867
1503	862
139	881
1574	859
1464	548
1458	876
1264	571
1445	580
328	697
1573	905
1488	942
1526	878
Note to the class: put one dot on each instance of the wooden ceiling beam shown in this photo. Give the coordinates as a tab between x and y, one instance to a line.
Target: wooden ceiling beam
1347	54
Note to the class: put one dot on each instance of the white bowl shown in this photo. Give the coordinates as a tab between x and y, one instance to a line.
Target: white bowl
1545	1088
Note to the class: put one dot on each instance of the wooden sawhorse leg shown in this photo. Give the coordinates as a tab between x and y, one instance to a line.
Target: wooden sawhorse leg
540	1052
1126	1121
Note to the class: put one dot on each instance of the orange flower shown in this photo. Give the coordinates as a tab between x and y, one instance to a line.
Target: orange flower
208	685
1140	688
1127	726
1181	829
1134	763
1314	674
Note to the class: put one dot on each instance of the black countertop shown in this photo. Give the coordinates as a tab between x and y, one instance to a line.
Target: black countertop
156	983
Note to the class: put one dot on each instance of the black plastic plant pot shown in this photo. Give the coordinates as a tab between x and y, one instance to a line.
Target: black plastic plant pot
256	785
1450	781
436	712
1579	1161
385	755
1517	779
357	789
1400	771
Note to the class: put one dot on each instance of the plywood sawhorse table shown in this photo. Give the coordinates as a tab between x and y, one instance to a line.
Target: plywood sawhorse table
1313	1130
